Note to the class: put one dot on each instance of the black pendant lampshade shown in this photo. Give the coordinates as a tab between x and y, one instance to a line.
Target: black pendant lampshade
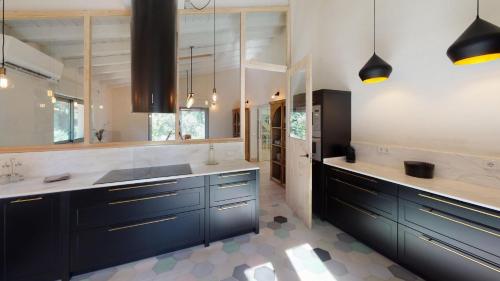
376	69
479	43
154	56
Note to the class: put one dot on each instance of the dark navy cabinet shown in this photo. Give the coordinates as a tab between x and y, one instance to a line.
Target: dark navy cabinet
437	237
32	236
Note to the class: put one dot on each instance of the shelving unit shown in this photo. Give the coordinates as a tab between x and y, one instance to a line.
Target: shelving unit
237	129
278	141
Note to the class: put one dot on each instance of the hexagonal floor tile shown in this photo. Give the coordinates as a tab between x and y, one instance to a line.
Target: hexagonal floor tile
361	248
336	268
164	265
282	233
273	225
323	255
202	269
231	247
264	273
280	219
343	246
182	254
239	272
288	226
344	237
402	273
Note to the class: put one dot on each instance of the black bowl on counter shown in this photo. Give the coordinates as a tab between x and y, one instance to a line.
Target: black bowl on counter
419	169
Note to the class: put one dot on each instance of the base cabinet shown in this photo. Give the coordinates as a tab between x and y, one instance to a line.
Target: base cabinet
233	219
376	231
438	260
103	247
32	247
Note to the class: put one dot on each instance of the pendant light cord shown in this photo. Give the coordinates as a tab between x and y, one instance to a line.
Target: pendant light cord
374	23
191	69
478	8
3	33
214	45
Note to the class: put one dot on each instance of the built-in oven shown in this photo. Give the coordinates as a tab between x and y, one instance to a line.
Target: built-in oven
316	133
316	149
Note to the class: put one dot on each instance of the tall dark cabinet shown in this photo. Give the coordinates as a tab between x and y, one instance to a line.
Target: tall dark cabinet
331	135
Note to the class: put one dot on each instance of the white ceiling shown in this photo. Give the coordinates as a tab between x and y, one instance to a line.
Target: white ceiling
62	39
118	4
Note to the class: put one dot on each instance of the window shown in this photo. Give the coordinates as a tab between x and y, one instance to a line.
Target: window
161	126
68	120
193	125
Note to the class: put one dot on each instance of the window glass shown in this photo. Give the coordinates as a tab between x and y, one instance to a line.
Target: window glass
62	121
78	120
266	37
298	120
194	123
162	127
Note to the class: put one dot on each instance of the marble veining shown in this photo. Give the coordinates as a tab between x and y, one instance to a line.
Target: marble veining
80	181
471	169
483	196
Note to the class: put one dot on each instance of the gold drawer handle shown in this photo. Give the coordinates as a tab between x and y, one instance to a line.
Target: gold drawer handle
142	199
234	175
357	209
458	205
141	186
140	224
434	213
357	187
232	206
233	185
429	240
26	200
354	175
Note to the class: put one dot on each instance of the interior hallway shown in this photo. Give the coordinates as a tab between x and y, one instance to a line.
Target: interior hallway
285	250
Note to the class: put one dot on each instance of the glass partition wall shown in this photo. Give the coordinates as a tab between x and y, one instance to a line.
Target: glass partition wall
80	71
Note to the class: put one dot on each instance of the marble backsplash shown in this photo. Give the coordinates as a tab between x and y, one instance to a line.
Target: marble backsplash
479	170
42	164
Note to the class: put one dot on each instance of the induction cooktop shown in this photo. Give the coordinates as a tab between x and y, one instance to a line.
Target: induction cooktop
145	173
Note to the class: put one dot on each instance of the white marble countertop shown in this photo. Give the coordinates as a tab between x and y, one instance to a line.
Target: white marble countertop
487	197
36	186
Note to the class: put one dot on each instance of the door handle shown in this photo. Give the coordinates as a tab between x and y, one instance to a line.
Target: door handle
305	155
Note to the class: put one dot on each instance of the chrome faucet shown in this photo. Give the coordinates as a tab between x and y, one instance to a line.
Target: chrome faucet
12	175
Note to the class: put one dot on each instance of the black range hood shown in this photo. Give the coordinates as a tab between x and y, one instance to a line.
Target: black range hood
154	56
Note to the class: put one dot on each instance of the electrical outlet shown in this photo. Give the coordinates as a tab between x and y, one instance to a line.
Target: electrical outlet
490	165
383	150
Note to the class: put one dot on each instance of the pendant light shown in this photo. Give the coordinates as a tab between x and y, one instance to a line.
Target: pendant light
4	81
479	43
214	93
376	69
190	96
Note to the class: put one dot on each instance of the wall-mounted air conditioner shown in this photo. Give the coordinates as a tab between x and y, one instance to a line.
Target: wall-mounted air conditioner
26	58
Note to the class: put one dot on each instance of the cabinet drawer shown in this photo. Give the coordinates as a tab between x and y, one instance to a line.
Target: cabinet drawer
456	208
93	196
364	181
373	200
232	219
231	192
104	247
376	231
139	208
439	260
460	229
233	177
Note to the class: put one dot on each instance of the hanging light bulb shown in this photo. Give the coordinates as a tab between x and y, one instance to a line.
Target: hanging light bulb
54	100
50	93
190	100
4	81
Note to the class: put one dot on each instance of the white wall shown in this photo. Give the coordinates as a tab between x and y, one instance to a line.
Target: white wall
427	103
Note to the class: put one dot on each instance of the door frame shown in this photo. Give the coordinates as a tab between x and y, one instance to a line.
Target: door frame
306	65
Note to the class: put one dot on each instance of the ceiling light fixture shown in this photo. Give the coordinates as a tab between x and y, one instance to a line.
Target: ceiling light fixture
214	93
4	81
190	96
376	69
479	43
